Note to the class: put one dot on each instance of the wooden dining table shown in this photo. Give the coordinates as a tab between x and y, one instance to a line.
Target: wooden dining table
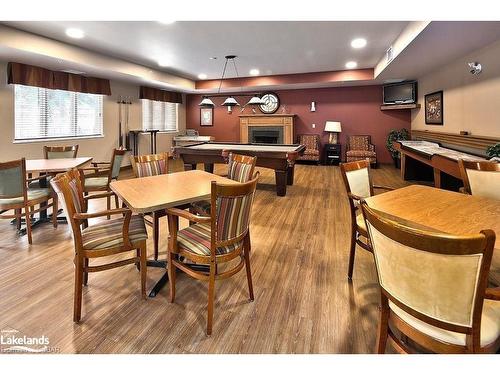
444	211
154	193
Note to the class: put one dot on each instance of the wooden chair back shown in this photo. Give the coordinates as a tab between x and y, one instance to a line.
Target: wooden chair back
60	152
150	165
231	216
13	179
481	178
69	189
357	178
437	278
241	167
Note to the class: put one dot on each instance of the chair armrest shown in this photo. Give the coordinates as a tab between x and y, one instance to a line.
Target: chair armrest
492	293
100	195
355	197
96	163
383	187
92	215
188	215
371	147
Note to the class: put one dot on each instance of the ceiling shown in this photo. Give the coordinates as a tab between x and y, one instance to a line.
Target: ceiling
272	47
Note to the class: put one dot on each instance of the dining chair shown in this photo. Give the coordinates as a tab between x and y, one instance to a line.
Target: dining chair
481	178
358	184
145	166
16	196
101	174
433	288
103	239
60	152
219	238
239	168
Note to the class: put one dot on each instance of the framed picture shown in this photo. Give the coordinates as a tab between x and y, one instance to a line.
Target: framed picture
207	116
434	108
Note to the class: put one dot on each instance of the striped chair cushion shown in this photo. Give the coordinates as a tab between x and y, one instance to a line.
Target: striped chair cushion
196	240
239	171
109	233
76	194
151	168
233	216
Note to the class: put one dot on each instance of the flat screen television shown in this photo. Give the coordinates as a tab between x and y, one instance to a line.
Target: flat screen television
400	93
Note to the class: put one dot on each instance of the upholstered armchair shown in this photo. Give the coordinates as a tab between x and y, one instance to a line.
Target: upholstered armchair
434	288
222	237
145	166
312	151
359	147
481	178
116	236
358	184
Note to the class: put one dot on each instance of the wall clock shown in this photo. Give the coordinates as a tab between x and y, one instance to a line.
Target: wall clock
271	103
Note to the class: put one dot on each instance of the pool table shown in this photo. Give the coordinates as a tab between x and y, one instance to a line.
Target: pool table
281	158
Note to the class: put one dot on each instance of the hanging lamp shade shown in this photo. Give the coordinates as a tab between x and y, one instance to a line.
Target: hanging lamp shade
230	102
255	100
206	102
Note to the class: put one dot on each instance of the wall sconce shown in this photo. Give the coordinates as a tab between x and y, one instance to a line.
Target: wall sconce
313	106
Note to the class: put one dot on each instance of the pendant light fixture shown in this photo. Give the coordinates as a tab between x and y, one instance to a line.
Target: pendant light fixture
230	101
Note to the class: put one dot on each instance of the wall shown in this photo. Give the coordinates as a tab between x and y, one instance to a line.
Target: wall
471	102
99	148
358	108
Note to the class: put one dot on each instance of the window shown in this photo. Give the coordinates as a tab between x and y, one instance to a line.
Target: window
159	115
43	113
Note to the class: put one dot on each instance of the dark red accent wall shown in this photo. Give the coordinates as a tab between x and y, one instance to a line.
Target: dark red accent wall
357	108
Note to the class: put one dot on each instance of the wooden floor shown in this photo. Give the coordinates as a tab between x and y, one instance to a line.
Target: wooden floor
303	301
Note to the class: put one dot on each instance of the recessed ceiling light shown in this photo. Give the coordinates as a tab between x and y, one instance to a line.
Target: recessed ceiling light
169	22
213	58
358	43
75	33
351	64
202	76
254	72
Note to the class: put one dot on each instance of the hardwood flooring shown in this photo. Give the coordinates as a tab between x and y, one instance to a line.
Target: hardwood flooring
303	301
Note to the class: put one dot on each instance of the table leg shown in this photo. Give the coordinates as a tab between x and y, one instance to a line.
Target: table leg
151	142
281	178
290	174
154	142
437	178
403	166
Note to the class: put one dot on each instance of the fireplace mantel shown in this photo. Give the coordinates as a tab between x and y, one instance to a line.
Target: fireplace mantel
283	120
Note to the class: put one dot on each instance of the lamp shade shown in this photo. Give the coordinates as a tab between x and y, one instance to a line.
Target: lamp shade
230	102
255	100
206	102
333	126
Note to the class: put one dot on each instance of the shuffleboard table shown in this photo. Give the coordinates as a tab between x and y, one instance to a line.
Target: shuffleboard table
281	158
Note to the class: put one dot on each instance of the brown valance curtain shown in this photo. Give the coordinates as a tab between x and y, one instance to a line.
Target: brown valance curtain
29	75
160	95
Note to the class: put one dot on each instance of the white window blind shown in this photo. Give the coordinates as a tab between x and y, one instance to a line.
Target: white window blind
159	115
43	113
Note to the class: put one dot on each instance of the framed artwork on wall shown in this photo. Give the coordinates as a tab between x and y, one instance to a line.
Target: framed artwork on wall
434	108
207	116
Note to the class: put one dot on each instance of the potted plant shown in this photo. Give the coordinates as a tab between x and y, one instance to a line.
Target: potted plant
396	135
493	151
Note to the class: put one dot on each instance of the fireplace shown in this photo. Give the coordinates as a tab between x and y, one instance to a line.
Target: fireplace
265	134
